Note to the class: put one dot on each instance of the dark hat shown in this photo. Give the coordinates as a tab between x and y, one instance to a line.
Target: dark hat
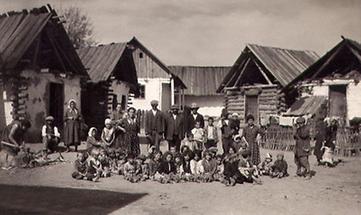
174	107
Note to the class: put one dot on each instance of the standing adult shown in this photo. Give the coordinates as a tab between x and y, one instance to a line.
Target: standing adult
320	137
227	133
249	135
154	125
117	117
195	117
72	126
13	140
174	128
302	148
132	129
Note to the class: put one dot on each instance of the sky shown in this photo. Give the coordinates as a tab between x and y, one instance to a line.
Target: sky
214	32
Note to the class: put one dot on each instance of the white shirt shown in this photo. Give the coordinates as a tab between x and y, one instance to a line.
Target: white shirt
174	116
56	131
210	132
195	115
154	112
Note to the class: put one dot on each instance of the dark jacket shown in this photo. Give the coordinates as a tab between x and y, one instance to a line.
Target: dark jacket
192	121
227	130
167	168
302	137
154	123
174	126
280	166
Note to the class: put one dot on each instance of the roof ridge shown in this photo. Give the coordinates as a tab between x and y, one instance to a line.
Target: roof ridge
280	48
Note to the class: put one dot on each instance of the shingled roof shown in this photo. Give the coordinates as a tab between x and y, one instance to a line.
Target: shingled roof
281	65
340	61
201	80
19	30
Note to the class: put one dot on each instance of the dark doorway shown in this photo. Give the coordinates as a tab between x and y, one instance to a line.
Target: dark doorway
337	99
124	102
252	107
56	103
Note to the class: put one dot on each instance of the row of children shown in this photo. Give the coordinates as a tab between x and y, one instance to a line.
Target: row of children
174	167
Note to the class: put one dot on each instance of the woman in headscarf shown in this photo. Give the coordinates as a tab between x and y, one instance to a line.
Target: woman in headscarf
72	126
132	129
249	135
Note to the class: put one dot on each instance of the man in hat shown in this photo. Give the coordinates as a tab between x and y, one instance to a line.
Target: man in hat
195	117
154	125
302	148
13	139
50	135
174	128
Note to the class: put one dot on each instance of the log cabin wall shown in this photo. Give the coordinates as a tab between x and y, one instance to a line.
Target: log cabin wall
268	102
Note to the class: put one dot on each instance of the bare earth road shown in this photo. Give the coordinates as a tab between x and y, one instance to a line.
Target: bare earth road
51	190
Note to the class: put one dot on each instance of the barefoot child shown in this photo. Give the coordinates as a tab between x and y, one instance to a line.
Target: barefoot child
265	166
80	166
279	168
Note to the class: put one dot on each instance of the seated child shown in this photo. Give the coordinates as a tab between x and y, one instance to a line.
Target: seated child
154	163
218	174
178	162
132	170
121	161
166	169
105	162
186	166
265	166
196	163
144	168
328	158
208	166
80	166
279	168
231	173
94	170
91	140
50	135
247	169
198	135
188	142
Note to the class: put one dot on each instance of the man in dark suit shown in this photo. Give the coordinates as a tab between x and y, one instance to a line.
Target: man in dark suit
174	128
195	117
154	125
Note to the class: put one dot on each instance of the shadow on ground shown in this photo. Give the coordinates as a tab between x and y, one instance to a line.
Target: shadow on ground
52	200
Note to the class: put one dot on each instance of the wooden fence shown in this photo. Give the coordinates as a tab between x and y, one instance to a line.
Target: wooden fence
348	142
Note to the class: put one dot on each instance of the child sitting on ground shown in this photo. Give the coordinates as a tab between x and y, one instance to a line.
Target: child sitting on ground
265	167
166	169
198	135
178	162
218	175
144	168
231	173
208	166
247	169
94	170
132	170
121	161
154	161
279	168
188	142
196	163
105	162
80	166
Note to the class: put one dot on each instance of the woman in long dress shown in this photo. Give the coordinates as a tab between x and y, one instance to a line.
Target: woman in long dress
249	135
132	129
72	126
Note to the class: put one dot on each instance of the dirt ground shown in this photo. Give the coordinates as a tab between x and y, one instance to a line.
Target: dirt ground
51	190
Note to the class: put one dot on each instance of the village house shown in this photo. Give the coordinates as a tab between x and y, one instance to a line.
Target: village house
112	77
335	76
255	81
156	81
202	83
40	70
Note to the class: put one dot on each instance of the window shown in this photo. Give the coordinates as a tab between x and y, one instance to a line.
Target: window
141	92
141	55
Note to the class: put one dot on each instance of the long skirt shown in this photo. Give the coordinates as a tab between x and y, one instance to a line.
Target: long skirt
132	141
255	154
72	133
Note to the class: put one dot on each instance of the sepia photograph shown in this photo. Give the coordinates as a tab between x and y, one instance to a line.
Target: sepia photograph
180	107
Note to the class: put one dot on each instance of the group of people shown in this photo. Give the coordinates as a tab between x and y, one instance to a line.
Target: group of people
192	153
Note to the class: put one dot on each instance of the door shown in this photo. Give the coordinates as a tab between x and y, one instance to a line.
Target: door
252	107
166	97
56	103
337	101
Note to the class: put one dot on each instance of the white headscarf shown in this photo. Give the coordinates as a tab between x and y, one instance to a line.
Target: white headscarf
70	101
91	131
